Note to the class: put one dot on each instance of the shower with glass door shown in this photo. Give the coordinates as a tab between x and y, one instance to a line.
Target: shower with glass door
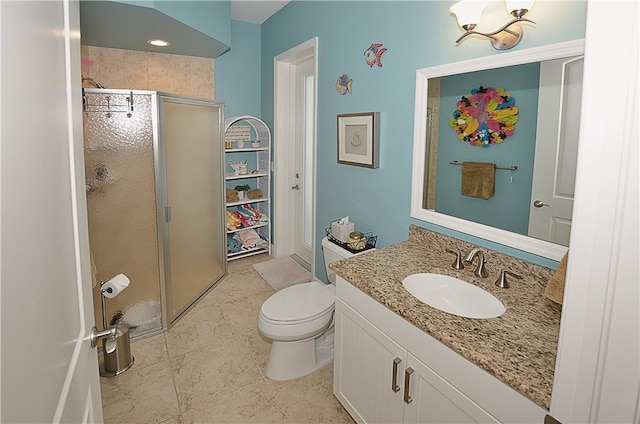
153	164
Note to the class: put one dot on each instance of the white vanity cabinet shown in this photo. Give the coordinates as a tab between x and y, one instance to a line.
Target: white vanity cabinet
387	370
367	376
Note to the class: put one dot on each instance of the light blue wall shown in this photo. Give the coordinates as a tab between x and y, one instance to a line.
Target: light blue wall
509	208
238	72
417	34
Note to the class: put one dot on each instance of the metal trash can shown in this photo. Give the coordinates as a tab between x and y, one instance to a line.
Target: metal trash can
119	359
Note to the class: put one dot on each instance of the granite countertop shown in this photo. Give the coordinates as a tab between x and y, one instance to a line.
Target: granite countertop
519	347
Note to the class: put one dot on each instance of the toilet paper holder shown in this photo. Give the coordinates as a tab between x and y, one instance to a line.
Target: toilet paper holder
116	342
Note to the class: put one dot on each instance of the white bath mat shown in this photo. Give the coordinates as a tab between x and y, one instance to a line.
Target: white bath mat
282	272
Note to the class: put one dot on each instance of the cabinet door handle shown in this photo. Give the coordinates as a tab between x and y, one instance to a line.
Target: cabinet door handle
394	379
407	377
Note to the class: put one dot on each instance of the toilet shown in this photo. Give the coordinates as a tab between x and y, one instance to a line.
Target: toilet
299	321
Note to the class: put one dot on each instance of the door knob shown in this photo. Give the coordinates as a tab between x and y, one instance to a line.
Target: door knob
539	204
96	335
296	187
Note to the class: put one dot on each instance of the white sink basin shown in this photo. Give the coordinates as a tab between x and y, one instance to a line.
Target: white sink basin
454	296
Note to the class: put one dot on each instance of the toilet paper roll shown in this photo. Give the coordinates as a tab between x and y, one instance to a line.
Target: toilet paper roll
114	286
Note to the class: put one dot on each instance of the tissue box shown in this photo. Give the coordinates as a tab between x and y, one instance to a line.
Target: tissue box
341	231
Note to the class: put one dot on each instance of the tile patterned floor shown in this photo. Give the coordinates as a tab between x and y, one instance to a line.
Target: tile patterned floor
209	368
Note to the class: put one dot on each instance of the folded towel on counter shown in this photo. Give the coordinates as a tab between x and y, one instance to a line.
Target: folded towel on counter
478	179
248	237
256	193
555	285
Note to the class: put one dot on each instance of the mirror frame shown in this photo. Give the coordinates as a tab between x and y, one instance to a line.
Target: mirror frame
518	241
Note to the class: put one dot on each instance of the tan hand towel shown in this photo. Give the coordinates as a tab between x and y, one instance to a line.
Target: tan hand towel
256	193
232	196
555	285
478	179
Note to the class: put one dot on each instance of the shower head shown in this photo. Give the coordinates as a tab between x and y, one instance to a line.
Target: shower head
97	84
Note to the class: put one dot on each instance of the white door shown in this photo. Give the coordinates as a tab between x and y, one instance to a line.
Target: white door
557	137
304	159
49	370
294	152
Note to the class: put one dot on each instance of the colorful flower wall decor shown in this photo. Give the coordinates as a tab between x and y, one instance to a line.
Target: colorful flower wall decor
485	116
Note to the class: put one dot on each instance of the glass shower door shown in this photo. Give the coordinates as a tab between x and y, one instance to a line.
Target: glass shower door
191	216
121	204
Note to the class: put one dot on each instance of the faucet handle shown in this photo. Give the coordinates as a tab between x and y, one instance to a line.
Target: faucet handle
502	279
457	264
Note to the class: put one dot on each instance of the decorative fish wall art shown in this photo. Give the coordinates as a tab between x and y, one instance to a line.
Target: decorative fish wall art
373	54
343	84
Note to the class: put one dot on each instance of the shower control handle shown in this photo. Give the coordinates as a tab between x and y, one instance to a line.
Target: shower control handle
296	187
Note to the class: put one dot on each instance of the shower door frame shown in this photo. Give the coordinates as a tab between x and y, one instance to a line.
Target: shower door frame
168	318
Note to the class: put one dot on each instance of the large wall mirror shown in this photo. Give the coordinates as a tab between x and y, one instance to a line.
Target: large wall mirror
530	208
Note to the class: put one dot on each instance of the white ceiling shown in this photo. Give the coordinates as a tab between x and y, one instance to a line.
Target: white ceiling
255	11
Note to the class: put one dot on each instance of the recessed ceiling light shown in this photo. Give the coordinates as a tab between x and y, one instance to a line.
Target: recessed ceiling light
159	43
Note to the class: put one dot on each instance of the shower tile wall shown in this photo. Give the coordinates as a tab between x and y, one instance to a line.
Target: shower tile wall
137	70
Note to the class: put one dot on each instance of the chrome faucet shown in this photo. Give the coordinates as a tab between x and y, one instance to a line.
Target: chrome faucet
480	271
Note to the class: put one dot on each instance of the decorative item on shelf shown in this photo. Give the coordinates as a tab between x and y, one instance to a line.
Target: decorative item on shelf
228	145
356	240
370	241
255	144
340	229
469	12
237	134
241	189
485	116
358	139
373	54
238	167
343	84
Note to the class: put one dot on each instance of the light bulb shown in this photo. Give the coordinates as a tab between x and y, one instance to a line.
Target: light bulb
468	12
159	43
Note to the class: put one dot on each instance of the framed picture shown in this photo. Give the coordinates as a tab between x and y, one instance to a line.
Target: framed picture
358	139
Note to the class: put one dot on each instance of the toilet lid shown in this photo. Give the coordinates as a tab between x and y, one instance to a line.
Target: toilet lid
299	302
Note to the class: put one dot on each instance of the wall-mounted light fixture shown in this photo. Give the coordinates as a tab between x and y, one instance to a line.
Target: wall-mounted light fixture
468	13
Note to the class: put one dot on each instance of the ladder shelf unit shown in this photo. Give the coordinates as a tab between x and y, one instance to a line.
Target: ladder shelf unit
248	140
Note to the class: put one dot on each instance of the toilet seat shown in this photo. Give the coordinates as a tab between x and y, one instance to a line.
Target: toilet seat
299	304
298	312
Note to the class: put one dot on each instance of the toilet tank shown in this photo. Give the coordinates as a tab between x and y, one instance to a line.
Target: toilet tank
333	253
